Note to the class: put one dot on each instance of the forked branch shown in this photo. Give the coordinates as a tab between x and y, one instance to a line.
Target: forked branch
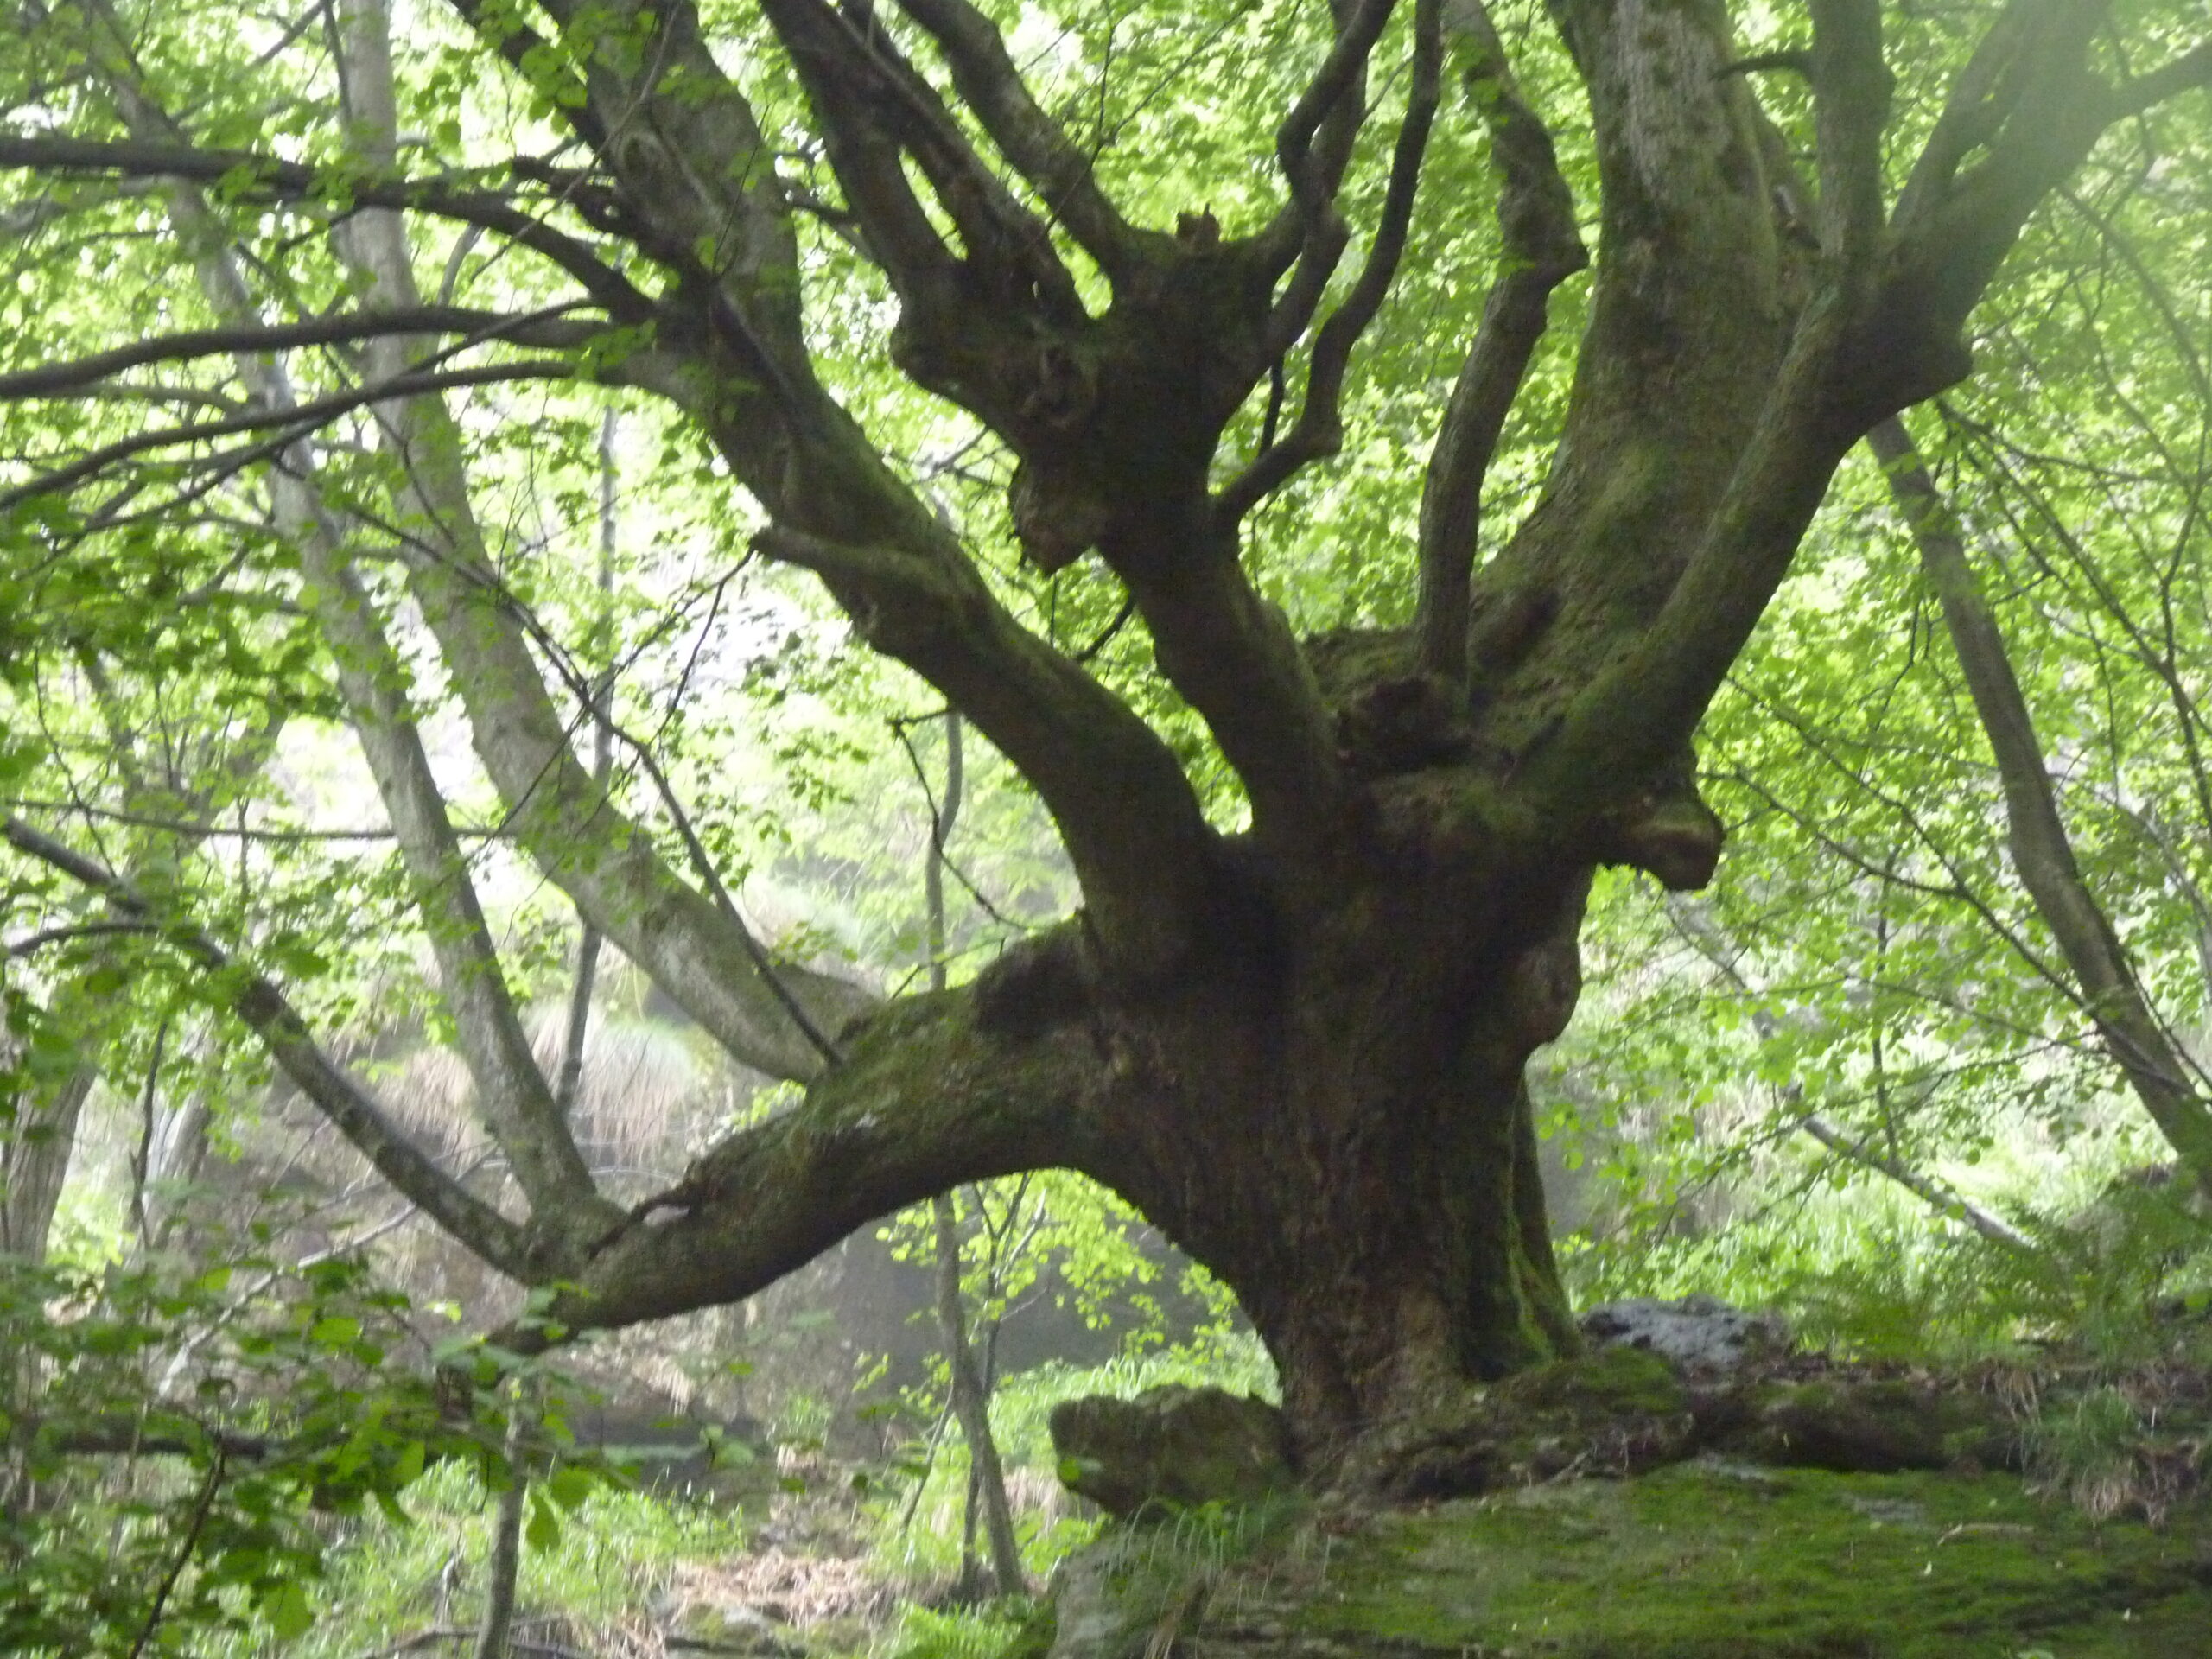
1312	178
1539	248
1061	172
865	92
1131	821
2031	107
1320	430
1313	146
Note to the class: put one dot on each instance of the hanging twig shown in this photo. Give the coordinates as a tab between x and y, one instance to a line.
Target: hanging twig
201	1508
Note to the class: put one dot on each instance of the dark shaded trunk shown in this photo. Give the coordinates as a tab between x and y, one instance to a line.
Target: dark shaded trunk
1336	1123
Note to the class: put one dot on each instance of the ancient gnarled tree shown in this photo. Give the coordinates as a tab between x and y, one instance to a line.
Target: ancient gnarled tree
1298	1048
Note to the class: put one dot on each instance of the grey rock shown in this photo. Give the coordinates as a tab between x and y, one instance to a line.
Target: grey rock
732	1628
1699	1334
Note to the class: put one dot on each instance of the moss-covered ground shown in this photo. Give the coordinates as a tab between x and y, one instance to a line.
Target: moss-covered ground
1710	1559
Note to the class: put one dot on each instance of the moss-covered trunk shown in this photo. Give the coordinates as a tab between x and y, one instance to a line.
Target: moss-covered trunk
1336	1123
1440	1271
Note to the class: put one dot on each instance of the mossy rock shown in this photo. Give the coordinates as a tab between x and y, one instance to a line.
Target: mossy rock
1172	1449
1866	1425
1617	1412
1619	1381
1721	1560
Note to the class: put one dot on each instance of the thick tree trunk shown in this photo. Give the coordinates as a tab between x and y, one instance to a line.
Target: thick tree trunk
1336	1125
1441	1273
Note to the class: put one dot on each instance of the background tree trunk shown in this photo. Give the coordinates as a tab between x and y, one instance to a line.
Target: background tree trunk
970	1392
35	1153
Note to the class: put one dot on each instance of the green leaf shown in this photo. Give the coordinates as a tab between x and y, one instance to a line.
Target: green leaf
568	1486
544	1531
288	1611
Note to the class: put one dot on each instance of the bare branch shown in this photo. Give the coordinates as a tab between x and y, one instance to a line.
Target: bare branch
296	421
356	1114
1539	249
32	944
253	177
868	162
2029	103
1232	655
859	81
563	814
1063	174
2187	73
1313	180
510	1093
1309	229
533	328
1983	93
1944	1200
1318	429
1124	810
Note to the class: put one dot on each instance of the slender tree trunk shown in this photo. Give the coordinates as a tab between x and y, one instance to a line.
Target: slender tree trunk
502	1567
971	1405
570	1080
971	1399
35	1163
2043	857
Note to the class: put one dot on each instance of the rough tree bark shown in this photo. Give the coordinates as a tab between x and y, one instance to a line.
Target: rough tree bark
1298	1049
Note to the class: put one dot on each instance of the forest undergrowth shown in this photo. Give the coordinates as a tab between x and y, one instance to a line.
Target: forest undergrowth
377	1542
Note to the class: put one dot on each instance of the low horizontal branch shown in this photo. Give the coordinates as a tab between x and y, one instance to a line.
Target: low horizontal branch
159	1435
258	177
299	420
57	379
935	1093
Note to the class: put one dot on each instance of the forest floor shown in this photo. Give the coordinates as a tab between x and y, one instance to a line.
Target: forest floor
2041	1508
1712	1560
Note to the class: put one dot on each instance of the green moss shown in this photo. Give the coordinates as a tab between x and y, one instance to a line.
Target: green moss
1614	1382
1717	1560
1874	1426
